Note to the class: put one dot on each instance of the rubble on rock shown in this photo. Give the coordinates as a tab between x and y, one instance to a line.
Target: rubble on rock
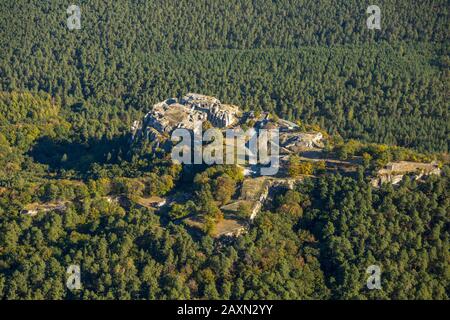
171	114
394	172
256	191
301	141
33	209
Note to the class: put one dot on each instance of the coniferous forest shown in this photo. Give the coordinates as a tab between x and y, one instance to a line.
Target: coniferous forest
68	99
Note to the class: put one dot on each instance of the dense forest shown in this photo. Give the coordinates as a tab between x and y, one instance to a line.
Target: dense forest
319	251
69	97
308	60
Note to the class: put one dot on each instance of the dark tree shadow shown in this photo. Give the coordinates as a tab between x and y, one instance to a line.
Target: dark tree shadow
68	155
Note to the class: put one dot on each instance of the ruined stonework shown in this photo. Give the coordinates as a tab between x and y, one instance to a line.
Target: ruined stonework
220	115
301	141
166	117
171	114
394	172
34	208
256	191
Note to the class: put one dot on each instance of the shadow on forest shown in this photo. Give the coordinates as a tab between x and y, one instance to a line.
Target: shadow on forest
68	155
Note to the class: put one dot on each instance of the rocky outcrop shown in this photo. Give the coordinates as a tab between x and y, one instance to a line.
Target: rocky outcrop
34	208
171	114
256	191
168	115
301	141
394	172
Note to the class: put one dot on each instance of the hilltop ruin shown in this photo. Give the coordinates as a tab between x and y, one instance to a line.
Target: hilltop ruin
394	172
166	116
173	113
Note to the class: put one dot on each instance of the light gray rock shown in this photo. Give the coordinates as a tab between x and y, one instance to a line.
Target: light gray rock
171	114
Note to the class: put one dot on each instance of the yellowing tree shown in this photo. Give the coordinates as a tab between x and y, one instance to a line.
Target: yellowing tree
297	167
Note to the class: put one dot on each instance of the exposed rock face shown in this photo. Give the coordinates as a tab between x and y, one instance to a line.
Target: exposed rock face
168	117
301	141
171	114
220	115
34	208
256	191
394	172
